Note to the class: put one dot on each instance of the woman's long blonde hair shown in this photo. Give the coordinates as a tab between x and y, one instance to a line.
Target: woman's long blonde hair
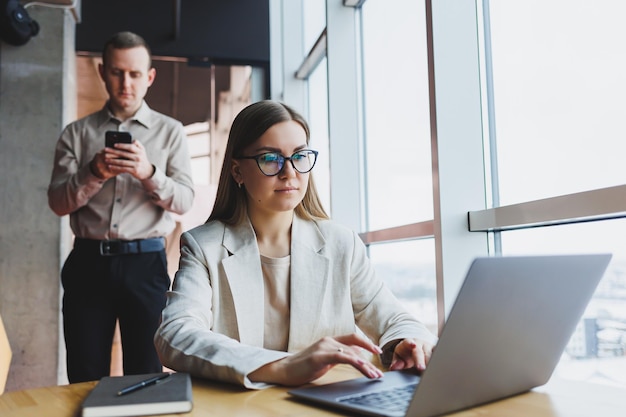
249	125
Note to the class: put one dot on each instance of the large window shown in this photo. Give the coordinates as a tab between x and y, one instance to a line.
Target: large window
558	86
397	166
411	278
318	121
396	114
509	111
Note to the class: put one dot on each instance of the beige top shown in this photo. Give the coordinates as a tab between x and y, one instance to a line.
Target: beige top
276	273
122	207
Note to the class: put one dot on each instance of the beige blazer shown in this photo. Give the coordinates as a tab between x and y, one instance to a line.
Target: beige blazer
213	323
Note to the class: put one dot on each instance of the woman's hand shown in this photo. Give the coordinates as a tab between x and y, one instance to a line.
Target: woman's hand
411	353
319	358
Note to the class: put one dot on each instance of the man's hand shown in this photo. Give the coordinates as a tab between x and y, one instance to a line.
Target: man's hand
99	167
130	158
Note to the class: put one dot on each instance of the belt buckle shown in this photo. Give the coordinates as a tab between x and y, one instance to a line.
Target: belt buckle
109	247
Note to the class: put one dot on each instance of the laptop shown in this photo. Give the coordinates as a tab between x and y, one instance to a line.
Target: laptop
508	327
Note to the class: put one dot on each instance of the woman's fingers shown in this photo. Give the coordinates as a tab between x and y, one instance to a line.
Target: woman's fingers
313	362
352	356
356	340
411	353
316	360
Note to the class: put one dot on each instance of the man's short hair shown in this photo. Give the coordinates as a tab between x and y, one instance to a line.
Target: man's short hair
126	40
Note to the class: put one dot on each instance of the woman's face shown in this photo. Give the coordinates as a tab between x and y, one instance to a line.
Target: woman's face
281	192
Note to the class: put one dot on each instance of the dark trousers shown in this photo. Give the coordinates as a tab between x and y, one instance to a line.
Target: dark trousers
98	290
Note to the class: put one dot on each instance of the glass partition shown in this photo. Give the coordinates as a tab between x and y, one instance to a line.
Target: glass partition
558	89
408	268
397	119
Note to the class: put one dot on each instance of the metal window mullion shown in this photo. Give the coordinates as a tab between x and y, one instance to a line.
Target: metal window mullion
344	115
286	52
457	142
492	145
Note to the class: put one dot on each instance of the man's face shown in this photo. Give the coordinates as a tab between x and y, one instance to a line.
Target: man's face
126	76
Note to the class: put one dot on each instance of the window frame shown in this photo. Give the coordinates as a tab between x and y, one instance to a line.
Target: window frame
467	219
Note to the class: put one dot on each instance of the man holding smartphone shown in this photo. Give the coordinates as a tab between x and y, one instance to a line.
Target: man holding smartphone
118	198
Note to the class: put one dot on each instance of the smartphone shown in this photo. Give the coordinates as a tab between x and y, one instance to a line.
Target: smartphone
112	137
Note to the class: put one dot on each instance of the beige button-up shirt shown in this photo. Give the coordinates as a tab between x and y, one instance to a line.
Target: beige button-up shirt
122	207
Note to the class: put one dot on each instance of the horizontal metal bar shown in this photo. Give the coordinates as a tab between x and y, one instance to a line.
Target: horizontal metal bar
421	230
353	3
600	204
315	56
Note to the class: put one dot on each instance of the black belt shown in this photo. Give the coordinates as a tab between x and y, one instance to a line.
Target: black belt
120	247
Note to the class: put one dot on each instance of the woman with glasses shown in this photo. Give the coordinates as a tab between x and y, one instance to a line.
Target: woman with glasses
269	290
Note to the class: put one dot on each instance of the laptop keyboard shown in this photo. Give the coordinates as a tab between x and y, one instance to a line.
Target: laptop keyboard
393	399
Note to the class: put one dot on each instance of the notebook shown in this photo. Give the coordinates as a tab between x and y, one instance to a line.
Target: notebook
504	335
169	395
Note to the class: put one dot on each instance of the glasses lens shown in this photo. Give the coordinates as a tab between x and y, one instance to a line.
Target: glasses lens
270	163
303	161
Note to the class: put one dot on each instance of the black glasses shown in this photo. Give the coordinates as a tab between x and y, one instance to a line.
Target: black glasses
272	163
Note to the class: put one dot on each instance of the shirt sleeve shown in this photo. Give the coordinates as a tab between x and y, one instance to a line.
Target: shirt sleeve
173	189
71	185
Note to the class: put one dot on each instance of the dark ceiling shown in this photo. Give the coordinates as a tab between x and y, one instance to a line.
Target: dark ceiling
224	31
186	38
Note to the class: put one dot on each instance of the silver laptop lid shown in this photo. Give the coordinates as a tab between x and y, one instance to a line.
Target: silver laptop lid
508	327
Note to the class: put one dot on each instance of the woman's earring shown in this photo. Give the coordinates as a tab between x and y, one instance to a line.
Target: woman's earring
239	185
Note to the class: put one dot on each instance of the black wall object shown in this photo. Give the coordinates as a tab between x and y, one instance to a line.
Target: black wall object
226	32
16	26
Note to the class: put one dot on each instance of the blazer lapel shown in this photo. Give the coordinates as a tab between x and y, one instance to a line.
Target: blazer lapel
309	278
243	272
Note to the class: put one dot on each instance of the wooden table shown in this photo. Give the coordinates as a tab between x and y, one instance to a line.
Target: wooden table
556	399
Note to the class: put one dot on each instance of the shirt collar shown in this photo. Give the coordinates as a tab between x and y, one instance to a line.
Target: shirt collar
142	116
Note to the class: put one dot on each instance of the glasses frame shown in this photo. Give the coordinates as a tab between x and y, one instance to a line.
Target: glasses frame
282	163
